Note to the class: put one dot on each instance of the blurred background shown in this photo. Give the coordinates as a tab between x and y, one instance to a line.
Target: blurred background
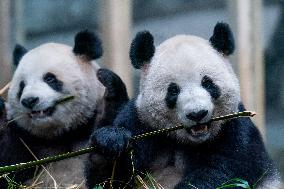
258	26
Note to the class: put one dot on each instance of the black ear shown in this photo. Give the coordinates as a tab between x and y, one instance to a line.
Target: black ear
88	45
142	49
18	53
223	39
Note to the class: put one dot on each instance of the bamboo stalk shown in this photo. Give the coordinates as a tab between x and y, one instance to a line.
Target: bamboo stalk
5	88
64	99
21	166
166	130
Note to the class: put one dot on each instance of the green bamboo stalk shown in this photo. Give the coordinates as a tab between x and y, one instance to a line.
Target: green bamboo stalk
166	130
64	99
21	166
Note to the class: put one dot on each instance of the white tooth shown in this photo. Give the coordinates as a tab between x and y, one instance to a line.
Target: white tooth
41	112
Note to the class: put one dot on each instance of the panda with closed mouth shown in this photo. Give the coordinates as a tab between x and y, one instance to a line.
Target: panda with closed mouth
184	81
33	120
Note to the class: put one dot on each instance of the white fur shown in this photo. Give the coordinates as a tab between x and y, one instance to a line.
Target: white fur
185	59
271	182
78	77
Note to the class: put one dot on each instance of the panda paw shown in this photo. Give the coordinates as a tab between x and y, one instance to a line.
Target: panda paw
115	88
111	141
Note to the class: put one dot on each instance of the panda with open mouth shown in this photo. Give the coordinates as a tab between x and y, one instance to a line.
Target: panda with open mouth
36	122
185	81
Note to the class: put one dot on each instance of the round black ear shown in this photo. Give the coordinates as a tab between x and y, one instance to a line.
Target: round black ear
222	39
88	45
142	49
18	53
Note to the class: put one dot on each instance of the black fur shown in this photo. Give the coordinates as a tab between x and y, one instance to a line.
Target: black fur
2	106
211	87
115	95
21	88
88	45
53	82
18	53
30	102
238	152
116	89
105	135
142	49
172	95
223	39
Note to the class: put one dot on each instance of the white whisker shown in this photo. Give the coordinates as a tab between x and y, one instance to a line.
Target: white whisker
16	118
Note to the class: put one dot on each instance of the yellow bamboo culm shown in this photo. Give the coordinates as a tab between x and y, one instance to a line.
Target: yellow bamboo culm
5	88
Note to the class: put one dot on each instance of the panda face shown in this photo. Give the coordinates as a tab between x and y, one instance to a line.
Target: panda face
188	82
45	75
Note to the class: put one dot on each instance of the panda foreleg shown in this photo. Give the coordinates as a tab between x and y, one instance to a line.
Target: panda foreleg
111	144
97	169
114	98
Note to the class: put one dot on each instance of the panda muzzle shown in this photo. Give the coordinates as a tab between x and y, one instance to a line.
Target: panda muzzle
42	113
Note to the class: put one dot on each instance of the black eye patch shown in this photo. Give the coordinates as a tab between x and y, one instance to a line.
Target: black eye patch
208	84
53	82
21	88
172	95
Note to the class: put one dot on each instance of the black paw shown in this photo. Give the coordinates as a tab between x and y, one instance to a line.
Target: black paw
111	141
115	88
2	106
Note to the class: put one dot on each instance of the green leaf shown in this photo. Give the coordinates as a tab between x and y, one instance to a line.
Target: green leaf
234	185
98	187
235	182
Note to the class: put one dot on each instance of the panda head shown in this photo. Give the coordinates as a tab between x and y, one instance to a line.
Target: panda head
51	72
186	80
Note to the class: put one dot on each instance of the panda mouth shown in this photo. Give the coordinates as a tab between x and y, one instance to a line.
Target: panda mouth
42	113
198	130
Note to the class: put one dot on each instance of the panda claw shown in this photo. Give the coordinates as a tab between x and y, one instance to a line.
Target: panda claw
111	141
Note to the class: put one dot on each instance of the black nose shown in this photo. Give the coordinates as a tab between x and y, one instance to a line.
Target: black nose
197	116
30	102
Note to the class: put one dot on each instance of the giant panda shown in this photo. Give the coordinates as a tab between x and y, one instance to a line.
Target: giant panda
184	81
37	127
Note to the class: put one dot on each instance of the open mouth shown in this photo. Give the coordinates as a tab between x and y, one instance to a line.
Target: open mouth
198	130
42	113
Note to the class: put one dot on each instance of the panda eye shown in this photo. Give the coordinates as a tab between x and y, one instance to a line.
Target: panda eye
49	78
21	88
173	89
53	82
206	81
211	87
172	95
